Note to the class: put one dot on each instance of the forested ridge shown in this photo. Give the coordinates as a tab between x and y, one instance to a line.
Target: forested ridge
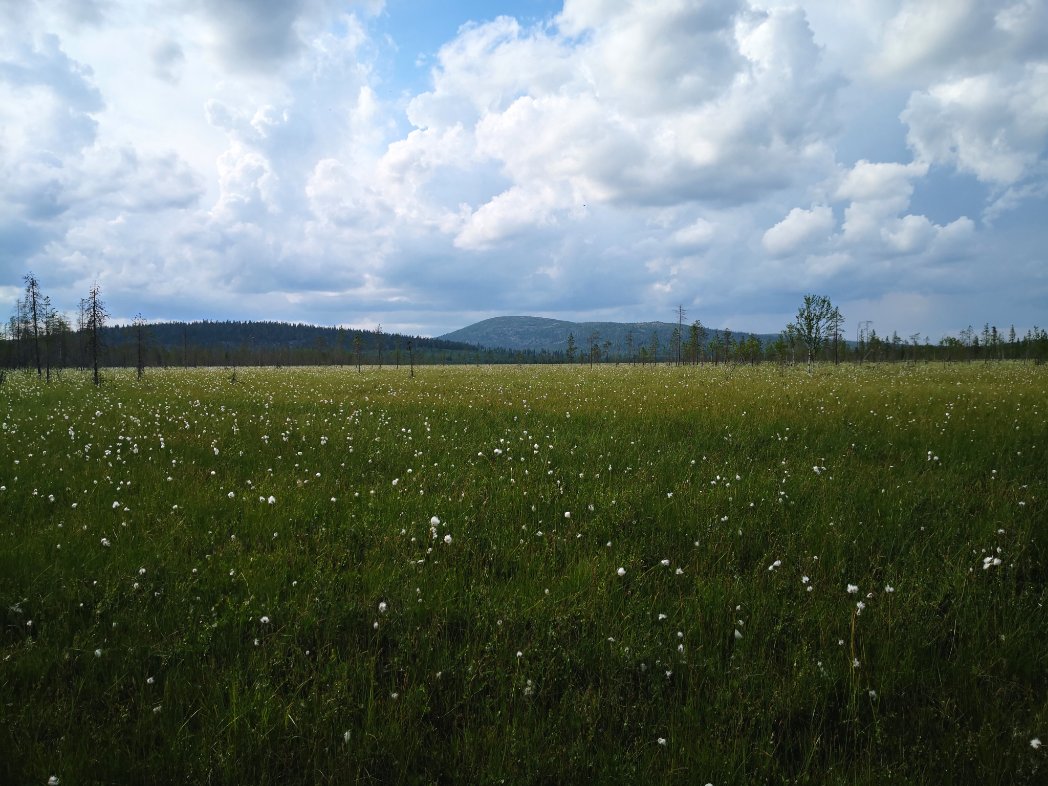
40	336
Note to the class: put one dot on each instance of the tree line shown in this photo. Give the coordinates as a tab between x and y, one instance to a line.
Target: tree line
816	334
38	337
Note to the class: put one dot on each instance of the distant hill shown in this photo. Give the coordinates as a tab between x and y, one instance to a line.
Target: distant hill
539	334
267	343
230	334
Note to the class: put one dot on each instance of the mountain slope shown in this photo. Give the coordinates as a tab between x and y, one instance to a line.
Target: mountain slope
266	335
551	335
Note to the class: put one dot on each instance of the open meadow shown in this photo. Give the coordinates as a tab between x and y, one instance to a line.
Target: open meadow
526	575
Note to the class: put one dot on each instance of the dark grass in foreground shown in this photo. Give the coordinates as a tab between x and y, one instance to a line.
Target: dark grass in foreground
827	579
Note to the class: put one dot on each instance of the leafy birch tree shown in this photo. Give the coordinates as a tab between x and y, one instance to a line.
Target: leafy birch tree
814	322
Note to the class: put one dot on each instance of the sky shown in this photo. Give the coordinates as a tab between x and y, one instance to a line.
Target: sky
425	165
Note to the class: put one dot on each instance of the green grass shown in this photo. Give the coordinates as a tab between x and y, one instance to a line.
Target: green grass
516	653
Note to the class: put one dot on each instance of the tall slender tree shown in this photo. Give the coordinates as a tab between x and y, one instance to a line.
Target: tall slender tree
81	334
678	344
96	320
139	325
34	315
836	324
696	337
48	315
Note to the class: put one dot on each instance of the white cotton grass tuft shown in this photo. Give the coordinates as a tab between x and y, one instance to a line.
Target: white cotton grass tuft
1035	743
621	572
852	589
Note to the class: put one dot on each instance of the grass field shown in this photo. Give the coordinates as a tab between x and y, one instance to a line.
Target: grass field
526	575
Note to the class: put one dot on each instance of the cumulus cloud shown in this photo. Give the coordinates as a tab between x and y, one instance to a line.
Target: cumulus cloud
725	104
689	49
696	235
798	229
994	126
875	218
613	159
928	38
877	225
507	215
49	100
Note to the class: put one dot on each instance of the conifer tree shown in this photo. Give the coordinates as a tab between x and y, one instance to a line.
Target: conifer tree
34	316
96	316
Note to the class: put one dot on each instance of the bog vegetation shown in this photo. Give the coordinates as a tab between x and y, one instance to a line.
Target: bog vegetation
525	575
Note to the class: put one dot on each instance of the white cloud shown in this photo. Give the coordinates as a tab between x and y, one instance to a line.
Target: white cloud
908	234
875	219
880	182
615	159
247	186
877	194
798	229
689	49
726	104
927	32
994	126
266	35
486	67
695	235
507	215
49	100
929	38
